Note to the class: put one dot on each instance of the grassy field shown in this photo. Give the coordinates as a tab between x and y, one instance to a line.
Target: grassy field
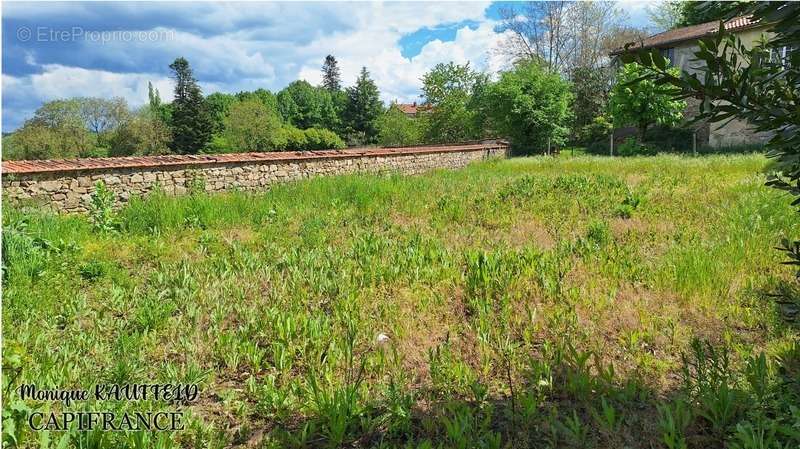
535	302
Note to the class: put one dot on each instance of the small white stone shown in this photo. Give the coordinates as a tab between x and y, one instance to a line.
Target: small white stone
381	338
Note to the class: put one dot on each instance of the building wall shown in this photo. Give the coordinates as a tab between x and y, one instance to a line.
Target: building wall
723	133
67	187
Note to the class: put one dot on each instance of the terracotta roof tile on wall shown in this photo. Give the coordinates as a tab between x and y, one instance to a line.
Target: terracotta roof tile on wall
693	32
45	166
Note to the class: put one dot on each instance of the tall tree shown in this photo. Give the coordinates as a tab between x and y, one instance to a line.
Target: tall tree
560	35
665	15
450	89
331	76
305	106
102	115
530	105
362	109
192	124
590	88
219	104
153	96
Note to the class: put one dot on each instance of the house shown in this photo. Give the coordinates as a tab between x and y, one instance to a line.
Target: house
679	46
412	109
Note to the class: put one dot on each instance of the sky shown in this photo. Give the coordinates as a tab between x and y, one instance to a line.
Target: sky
113	49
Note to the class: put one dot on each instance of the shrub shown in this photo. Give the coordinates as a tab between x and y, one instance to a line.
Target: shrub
295	138
219	144
596	131
252	126
670	139
397	130
322	139
633	148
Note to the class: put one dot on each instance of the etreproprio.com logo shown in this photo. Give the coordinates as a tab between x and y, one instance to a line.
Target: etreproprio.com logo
79	34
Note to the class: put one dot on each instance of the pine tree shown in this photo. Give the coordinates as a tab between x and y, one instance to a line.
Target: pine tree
191	122
331	77
363	109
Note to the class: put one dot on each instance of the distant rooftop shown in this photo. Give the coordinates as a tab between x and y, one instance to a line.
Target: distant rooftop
412	108
693	32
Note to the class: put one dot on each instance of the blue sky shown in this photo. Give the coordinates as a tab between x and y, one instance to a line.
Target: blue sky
58	50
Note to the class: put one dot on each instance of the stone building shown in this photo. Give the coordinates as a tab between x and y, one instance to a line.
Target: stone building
679	46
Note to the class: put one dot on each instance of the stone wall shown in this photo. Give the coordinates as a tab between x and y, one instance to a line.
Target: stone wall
67	185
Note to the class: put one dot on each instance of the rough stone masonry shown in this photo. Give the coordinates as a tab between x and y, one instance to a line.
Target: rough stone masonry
67	185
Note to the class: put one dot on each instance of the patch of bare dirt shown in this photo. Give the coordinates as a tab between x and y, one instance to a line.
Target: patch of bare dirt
529	231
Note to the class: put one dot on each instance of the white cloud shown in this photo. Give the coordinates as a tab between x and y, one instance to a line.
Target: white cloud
251	46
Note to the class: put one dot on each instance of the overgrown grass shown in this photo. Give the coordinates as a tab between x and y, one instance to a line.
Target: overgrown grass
536	302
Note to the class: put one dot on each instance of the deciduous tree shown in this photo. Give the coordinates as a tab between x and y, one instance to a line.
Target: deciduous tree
305	106
530	105
395	129
143	134
251	126
450	90
560	35
641	102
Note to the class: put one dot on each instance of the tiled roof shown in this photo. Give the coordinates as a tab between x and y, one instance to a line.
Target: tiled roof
693	32
44	166
412	108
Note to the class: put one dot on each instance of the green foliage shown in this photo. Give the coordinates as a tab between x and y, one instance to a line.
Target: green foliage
251	126
632	147
395	129
101	209
753	84
362	110
144	134
520	310
331	75
295	138
103	115
266	97
219	104
305	106
695	13
191	122
598	130
641	102
452	91
590	87
322	139
56	131
447	81
531	107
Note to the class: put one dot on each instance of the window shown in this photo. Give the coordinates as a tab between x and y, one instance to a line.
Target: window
781	54
668	53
